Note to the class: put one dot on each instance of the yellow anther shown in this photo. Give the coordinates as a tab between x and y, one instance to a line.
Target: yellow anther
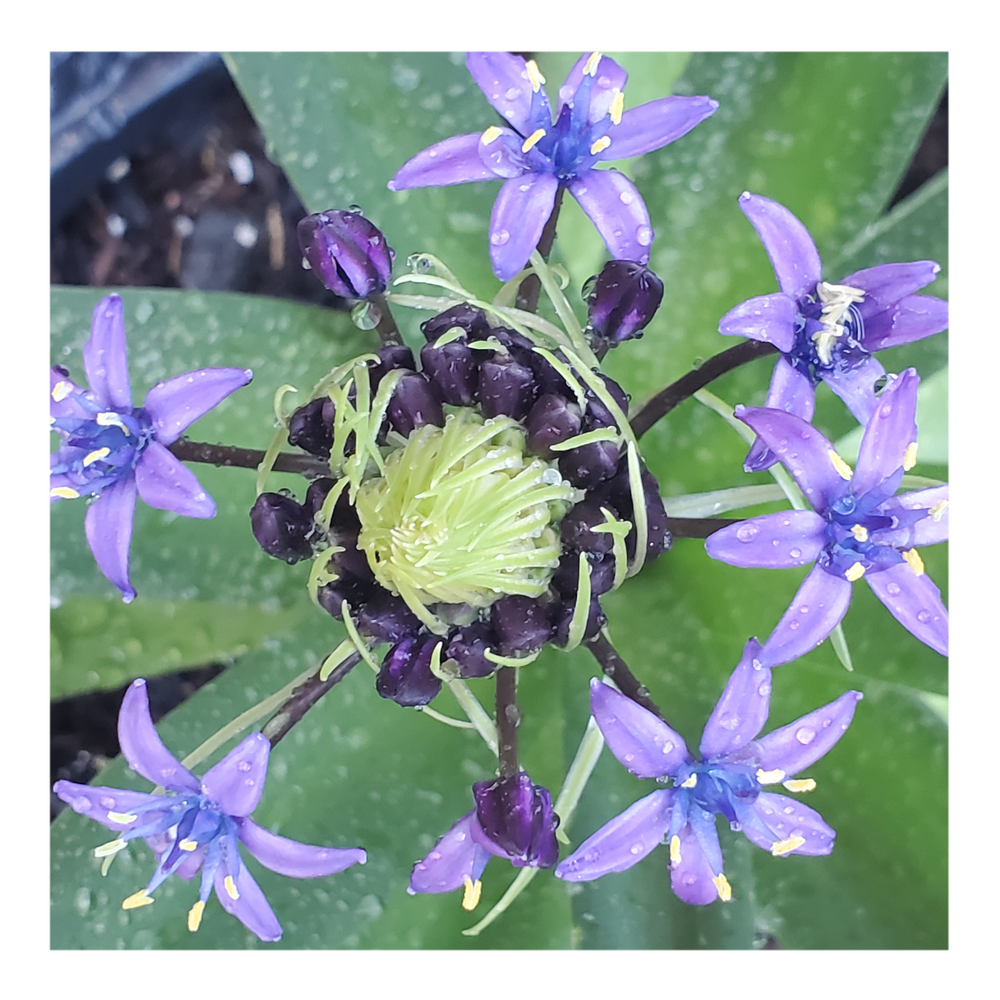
722	887
691	782
534	75
617	106
490	134
137	899
843	469
860	532
675	850
912	556
122	817
111	419
66	492
231	889
792	843
937	511
108	849
592	63
532	139
770	777
855	572
600	145
473	890
194	916
910	458
800	785
96	456
187	844
61	390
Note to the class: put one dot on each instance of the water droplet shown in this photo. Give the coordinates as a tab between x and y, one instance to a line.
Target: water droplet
499	238
885	410
626	197
923	616
788	810
644	236
244	765
793	625
756	664
592	856
107	802
512	94
635	849
805	735
893	589
250	782
795	553
667	747
804	609
747	532
764	690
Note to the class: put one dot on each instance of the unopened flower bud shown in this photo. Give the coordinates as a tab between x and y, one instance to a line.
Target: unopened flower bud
516	815
453	368
392	357
563	616
521	625
552	420
468	647
469	318
590	464
416	401
405	676
347	253
506	388
621	300
281	526
310	427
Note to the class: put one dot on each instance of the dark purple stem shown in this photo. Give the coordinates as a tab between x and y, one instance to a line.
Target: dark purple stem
508	719
617	670
698	527
247	458
386	328
527	294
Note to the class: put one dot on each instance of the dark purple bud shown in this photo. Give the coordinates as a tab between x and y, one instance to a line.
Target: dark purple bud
566	578
310	427
506	388
563	615
521	625
392	356
385	617
454	370
618	492
590	464
575	528
597	415
552	420
331	596
517	817
281	526
469	318
416	401
406	677
347	253
468	648
621	300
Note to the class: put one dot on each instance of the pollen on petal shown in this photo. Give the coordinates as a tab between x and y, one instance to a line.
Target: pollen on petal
532	139
675	850
194	916
65	492
912	556
787	845
490	134
600	145
800	785
691	782
617	106
843	469
96	456
910	458
231	889
534	75
770	777
855	572
61	390
473	890
860	532
722	887
137	899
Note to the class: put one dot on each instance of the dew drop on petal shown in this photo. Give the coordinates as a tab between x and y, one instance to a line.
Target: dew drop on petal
804	609
793	625
499	238
626	197
795	553
923	616
805	735
892	590
244	765
107	802
512	94
764	690
643	235
635	849
747	532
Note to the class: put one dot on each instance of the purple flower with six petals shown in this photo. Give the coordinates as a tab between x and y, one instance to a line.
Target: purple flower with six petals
728	779
857	527
513	819
827	331
112	450
202	823
534	157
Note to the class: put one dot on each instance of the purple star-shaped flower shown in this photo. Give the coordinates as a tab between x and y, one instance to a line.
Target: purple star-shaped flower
534	157
513	819
826	331
857	527
729	779
200	826
113	450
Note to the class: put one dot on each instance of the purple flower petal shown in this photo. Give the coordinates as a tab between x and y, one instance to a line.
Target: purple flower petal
816	609
520	212
67	405
251	908
608	78
289	857
622	842
888	434
452	161
790	390
801	448
503	78
108	527
166	484
928	531
770	318
142	747
455	857
235	784
915	603
617	210
801	743
656	123
910	319
783	540
741	712
96	802
644	744
886	284
105	359
855	385
793	254
177	403
786	818
700	861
